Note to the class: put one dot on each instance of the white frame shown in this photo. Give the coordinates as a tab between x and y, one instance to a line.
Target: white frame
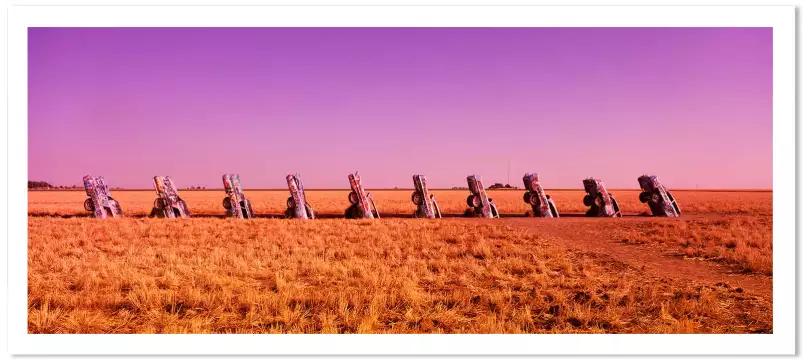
780	18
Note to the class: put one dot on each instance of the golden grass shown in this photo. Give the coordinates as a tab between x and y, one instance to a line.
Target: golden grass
349	276
744	241
390	202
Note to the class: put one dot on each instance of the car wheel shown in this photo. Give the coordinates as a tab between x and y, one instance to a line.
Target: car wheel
291	203
417	198
656	198
159	203
588	200
227	203
644	197
89	205
353	197
528	198
474	201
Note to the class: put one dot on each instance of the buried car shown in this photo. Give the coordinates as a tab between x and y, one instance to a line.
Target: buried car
100	202
427	207
659	199
362	203
235	203
542	204
168	204
479	200
297	205
600	201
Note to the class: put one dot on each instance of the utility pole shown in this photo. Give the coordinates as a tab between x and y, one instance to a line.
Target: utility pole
508	170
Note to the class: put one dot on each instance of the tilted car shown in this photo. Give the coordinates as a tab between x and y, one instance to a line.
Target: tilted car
235	203
659	199
599	200
297	205
362	203
542	204
479	200
426	205
168	204
100	202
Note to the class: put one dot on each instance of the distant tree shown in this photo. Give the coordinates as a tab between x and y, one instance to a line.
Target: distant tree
39	185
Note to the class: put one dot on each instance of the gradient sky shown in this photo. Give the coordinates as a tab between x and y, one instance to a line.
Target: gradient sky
691	105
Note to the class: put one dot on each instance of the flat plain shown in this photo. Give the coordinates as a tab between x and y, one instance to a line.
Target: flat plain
709	271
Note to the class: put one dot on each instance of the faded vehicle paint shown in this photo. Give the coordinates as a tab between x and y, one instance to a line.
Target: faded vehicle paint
235	203
427	206
361	202
659	199
168	204
297	205
100	202
479	200
542	204
600	202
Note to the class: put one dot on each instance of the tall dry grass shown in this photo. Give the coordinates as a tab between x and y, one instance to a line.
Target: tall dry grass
351	276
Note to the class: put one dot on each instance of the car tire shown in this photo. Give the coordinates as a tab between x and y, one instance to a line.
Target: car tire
89	205
353	199
291	203
528	198
474	201
588	200
417	198
656	198
644	197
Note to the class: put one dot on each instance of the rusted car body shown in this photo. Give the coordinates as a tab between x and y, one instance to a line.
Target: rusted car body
659	199
168	204
100	202
479	200
427	206
542	204
362	203
599	200
297	205
235	203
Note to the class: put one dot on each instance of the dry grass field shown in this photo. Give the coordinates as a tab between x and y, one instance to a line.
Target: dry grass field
709	271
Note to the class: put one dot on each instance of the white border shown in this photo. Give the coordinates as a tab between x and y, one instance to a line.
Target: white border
781	18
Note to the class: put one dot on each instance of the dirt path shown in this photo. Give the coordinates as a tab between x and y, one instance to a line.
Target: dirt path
659	260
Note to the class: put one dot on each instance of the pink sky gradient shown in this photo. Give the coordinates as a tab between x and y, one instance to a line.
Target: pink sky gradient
691	105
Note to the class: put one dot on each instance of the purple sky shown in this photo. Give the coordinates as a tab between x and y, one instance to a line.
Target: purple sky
691	105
